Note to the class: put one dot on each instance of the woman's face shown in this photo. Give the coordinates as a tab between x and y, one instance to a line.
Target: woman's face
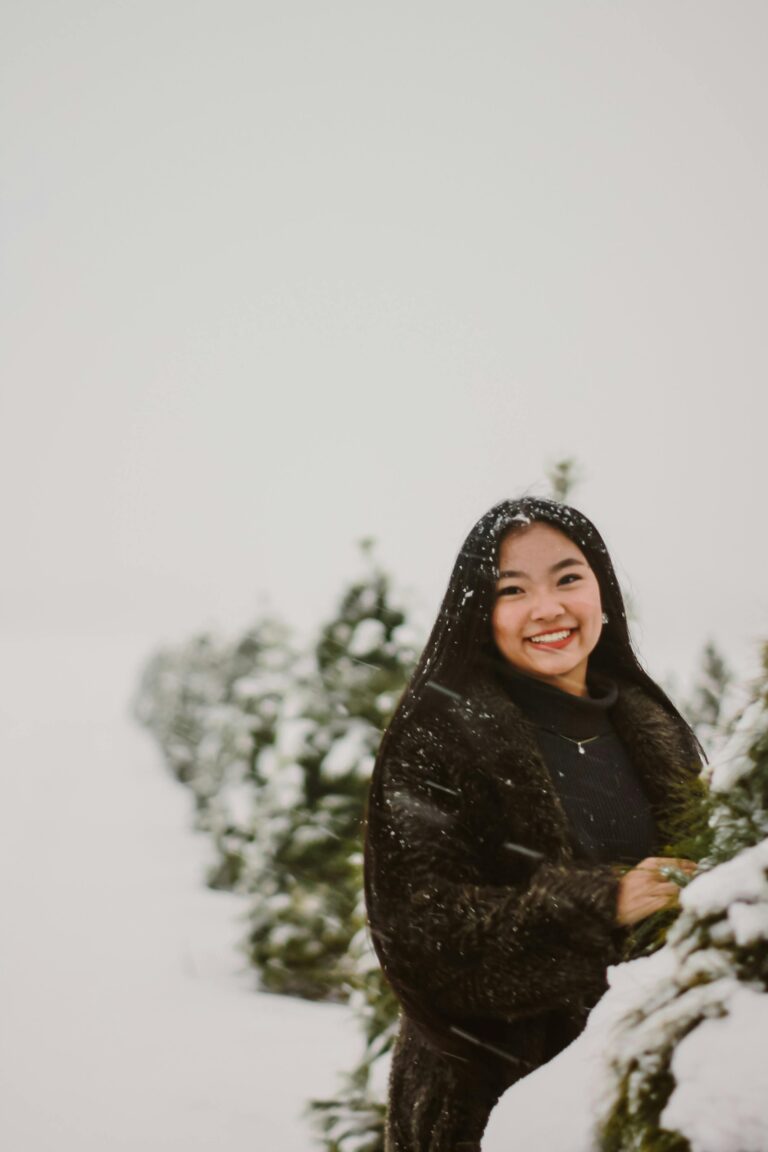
547	614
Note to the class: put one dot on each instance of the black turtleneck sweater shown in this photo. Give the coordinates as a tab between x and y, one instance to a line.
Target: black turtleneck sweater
608	811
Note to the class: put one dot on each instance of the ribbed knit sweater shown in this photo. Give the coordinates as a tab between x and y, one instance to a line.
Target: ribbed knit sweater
608	811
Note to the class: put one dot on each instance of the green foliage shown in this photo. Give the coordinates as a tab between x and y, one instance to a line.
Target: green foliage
704	955
563	476
305	907
177	689
212	707
353	1121
704	709
639	1130
277	749
692	836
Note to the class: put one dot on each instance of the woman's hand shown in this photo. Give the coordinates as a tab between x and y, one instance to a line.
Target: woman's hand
646	888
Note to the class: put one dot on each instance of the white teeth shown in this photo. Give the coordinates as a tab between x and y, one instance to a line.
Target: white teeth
549	637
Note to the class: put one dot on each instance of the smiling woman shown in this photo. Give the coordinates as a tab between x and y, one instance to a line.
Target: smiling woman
520	795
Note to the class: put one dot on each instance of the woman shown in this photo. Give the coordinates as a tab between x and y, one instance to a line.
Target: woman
520	798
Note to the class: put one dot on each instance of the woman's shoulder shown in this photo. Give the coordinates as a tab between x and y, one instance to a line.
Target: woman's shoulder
640	706
471	710
473	727
653	729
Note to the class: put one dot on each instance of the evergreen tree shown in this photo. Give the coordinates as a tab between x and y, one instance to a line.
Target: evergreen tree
278	750
177	690
563	477
353	1120
705	709
212	706
244	725
714	961
305	871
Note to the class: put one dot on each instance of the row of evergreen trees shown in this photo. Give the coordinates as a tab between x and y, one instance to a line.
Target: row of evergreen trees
277	745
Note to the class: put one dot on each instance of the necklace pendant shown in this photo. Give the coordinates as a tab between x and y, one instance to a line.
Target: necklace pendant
581	750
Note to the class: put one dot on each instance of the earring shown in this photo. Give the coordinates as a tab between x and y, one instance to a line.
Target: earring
605	617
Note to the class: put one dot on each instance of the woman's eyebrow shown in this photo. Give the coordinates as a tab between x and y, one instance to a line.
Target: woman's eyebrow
555	568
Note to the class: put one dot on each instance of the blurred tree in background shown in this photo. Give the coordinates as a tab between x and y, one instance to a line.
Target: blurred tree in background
563	477
708	706
277	747
305	893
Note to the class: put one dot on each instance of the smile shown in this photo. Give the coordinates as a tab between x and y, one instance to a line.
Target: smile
553	639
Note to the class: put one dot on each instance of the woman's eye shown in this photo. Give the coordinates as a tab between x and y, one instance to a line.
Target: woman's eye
510	590
569	576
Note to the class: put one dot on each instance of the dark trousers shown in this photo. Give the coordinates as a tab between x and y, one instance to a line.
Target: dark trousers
437	1102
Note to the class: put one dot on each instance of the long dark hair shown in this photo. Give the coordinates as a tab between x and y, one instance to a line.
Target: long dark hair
461	642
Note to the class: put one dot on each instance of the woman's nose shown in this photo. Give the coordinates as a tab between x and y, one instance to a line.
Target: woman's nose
546	606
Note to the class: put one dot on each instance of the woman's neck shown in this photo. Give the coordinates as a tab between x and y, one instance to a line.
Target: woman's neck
546	704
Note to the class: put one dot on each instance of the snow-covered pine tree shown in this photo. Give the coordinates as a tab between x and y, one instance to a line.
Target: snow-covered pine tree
240	729
688	1025
707	706
212	706
563	476
353	1120
278	751
305	871
177	689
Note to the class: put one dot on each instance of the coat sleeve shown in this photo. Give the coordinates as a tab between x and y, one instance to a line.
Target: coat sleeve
471	948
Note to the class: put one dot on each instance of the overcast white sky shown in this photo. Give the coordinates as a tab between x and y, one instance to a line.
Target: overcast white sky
276	276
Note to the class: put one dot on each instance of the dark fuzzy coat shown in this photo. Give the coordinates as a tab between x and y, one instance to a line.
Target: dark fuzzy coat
495	940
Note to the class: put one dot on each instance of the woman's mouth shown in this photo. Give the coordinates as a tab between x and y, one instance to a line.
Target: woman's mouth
554	639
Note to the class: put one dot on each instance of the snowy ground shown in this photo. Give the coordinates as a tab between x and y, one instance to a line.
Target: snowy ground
127	1020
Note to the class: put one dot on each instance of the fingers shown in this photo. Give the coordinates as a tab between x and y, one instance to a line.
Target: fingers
650	886
636	907
686	866
665	864
652	863
678	870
